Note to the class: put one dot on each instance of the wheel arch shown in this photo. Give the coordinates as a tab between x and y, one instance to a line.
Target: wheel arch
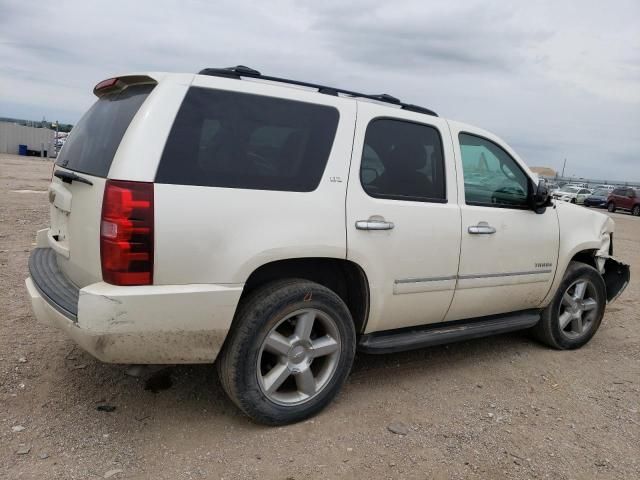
615	274
587	256
346	278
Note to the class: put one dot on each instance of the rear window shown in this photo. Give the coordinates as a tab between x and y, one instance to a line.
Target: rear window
94	140
239	140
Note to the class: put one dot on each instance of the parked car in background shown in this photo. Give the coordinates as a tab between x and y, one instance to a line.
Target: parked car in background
579	185
597	199
624	198
572	194
552	186
607	188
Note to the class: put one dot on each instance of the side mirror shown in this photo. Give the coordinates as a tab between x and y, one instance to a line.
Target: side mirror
541	197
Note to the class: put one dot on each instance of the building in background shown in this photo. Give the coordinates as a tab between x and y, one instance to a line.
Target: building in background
37	140
544	171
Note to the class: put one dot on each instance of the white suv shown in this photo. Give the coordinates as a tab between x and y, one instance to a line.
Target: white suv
277	226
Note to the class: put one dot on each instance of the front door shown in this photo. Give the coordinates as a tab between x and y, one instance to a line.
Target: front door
403	220
508	252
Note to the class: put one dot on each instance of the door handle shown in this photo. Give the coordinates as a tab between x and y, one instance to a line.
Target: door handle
482	228
374	225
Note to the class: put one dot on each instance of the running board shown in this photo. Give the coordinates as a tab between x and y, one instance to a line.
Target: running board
410	338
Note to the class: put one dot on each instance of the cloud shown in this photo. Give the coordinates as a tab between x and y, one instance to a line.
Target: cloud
555	79
473	39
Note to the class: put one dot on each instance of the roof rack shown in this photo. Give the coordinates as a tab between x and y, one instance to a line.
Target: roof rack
241	71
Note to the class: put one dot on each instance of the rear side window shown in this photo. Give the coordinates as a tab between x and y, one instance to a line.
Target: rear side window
403	161
239	140
93	142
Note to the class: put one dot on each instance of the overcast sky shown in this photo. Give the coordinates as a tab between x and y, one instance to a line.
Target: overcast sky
555	79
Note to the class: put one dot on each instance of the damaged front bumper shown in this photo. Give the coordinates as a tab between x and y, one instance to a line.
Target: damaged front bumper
615	273
616	277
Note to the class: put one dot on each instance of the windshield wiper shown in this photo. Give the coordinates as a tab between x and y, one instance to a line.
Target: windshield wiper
69	177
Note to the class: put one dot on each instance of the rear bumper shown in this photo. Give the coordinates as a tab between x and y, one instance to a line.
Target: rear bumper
146	324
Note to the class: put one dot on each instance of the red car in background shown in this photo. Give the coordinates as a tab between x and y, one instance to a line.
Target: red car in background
624	198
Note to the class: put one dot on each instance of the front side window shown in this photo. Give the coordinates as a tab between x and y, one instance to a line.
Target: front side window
491	176
403	161
239	140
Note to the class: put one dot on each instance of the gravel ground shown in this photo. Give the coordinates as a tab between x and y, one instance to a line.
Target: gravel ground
502	407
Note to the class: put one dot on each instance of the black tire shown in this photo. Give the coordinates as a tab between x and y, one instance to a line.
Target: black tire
573	200
636	210
611	207
548	329
257	316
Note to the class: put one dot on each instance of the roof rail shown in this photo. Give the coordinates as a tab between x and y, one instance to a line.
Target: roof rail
241	71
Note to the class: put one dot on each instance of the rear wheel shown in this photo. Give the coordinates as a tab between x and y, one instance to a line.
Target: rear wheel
611	207
636	210
289	352
575	313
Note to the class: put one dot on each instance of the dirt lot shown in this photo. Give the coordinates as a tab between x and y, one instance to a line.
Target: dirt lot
502	407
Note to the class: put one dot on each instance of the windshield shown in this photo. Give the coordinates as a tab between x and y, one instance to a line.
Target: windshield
601	193
93	142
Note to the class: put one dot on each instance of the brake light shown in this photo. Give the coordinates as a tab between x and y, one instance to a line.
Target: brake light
108	83
126	233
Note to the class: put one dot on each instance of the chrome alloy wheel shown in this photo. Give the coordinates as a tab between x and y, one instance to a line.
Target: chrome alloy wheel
578	309
298	357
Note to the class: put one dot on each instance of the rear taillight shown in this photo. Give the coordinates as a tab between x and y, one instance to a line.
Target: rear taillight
126	233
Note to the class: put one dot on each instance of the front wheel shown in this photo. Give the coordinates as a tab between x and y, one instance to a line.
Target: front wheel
289	352
611	207
636	211
575	314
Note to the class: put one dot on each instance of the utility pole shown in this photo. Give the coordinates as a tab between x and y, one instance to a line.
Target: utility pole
564	165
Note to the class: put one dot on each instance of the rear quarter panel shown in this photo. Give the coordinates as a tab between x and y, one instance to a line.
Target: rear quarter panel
139	152
221	235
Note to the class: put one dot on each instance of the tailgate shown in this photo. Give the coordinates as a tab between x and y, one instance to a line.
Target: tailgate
74	233
77	187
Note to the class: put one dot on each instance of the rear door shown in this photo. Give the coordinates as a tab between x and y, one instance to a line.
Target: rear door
75	204
629	198
508	252
403	220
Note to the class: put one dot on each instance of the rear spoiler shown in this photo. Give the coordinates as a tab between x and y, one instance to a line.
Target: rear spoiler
117	84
